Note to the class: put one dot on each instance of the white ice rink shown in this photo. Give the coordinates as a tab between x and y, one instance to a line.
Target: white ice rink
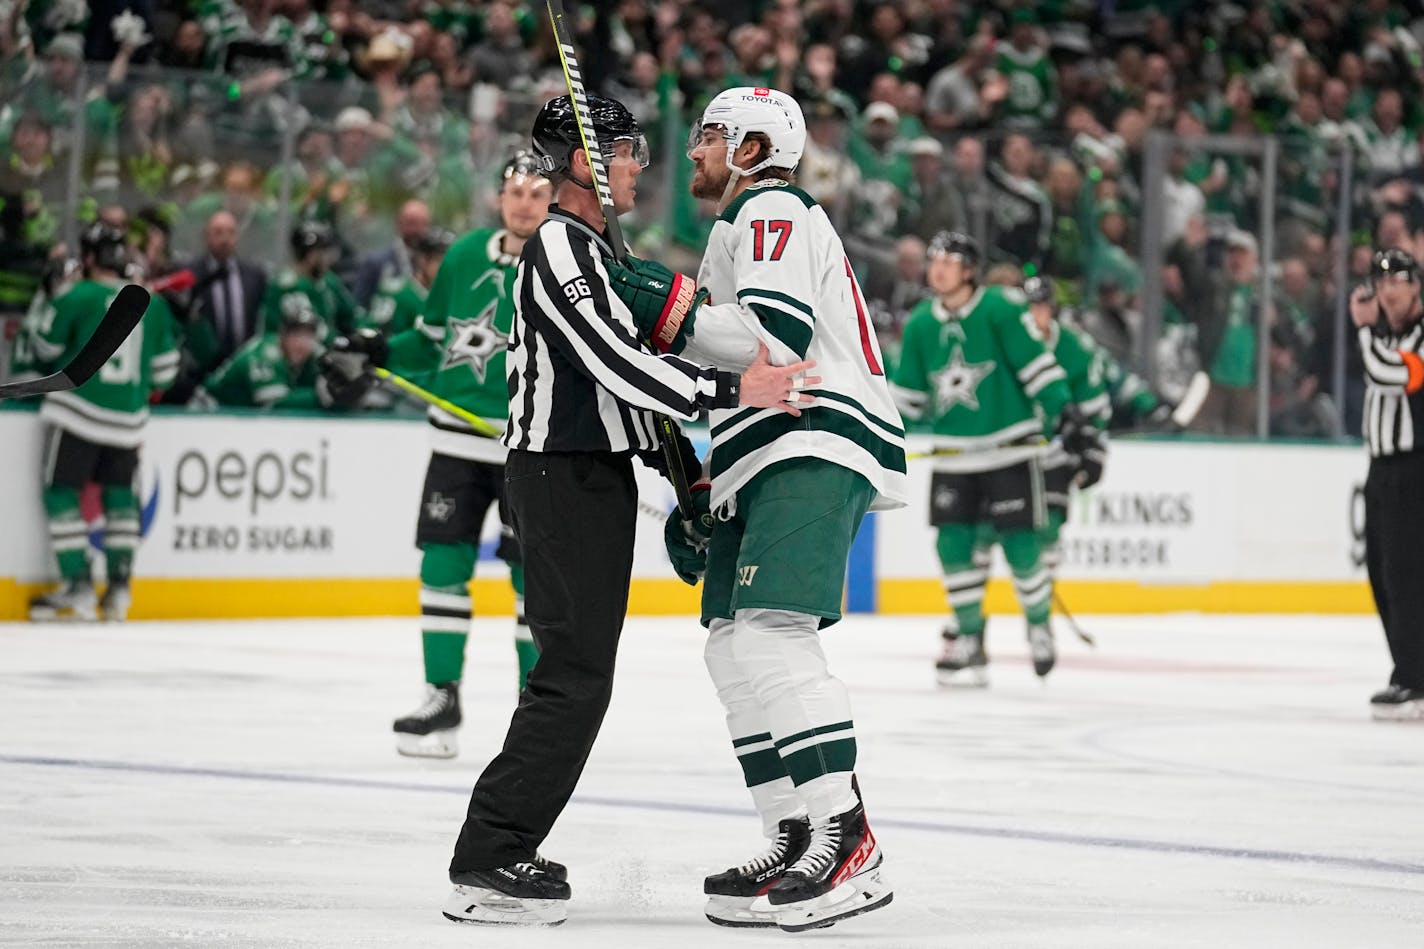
1194	782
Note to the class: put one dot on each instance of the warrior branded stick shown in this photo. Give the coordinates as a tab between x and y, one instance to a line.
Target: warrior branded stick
667	434
119	320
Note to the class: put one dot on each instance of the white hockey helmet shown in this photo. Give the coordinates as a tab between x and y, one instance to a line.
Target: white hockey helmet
746	109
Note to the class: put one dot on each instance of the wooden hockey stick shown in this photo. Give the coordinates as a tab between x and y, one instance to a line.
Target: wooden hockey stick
123	315
568	59
483	426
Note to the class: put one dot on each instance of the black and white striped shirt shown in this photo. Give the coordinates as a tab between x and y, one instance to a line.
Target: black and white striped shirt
579	380
1394	391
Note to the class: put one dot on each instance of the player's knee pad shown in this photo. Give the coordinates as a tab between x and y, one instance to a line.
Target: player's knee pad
1021	550
61	502
955	545
720	657
778	651
447	567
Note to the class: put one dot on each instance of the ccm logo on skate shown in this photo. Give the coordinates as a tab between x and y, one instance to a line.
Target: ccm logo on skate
857	860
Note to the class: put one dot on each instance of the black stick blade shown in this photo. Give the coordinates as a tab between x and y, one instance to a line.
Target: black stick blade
123	315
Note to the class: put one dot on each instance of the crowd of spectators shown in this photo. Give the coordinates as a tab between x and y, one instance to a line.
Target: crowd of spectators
1023	123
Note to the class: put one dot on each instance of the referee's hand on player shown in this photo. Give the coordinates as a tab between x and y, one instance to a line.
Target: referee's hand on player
765	386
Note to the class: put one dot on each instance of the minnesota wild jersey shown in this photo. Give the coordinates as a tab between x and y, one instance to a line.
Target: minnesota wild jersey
327	297
777	273
974	374
394	307
112	407
257	376
465	325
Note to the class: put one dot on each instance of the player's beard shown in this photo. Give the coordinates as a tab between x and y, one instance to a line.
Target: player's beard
709	181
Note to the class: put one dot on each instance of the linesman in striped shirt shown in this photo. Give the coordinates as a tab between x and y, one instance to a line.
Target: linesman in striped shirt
582	391
1388	315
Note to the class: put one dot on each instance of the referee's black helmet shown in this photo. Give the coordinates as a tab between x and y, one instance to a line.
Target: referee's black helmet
556	132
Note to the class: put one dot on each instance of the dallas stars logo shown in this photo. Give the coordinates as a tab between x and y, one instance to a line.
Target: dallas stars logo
439	507
956	383
476	342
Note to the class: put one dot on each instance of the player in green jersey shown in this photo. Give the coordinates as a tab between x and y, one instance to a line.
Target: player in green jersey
95	429
308	283
399	300
974	366
457	351
274	370
1086	369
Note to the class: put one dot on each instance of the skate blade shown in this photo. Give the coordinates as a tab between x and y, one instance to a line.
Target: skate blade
1404	712
860	894
483	906
434	745
971	677
81	614
737	912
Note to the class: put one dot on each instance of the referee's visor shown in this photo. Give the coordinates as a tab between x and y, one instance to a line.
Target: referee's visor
639	153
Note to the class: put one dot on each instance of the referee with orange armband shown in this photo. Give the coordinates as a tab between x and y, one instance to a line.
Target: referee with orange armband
1388	313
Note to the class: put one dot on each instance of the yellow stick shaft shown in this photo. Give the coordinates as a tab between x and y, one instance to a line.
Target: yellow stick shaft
478	424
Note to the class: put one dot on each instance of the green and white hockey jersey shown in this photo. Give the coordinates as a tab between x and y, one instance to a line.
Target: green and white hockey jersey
112	407
465	332
974	374
778	274
327	297
258	376
1033	87
1085	370
394	307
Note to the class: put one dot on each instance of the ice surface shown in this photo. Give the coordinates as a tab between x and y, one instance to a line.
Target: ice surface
1193	782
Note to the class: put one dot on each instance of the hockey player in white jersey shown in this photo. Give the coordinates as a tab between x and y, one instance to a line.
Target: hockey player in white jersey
788	494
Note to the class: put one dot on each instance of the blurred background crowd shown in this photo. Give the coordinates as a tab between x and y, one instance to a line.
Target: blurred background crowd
1200	179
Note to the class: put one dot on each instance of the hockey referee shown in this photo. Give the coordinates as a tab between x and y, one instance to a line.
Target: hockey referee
1388	314
581	393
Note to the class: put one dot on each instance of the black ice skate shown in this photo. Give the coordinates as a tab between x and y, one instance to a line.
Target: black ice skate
114	606
1398	704
836	878
521	894
74	600
1040	645
963	662
429	731
731	893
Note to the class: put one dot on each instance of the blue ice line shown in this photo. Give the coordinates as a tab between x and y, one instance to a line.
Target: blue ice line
996	833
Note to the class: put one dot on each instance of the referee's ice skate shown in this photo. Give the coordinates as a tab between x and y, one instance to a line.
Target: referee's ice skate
430	731
521	894
836	878
731	893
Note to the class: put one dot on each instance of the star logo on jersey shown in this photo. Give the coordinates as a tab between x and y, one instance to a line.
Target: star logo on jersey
475	342
956	383
439	507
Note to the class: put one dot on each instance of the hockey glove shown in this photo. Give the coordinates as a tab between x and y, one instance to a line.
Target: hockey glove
1074	432
346	366
663	303
1091	460
687	541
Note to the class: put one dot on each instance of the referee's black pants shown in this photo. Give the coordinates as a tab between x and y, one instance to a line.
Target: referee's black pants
1394	556
574	517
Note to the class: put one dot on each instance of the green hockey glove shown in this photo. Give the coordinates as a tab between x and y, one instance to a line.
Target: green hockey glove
686	541
663	303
